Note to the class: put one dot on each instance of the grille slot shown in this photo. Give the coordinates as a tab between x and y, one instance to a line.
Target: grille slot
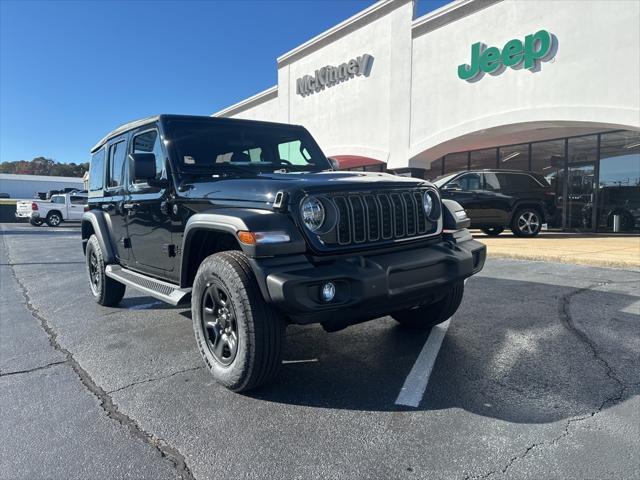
359	220
344	224
388	215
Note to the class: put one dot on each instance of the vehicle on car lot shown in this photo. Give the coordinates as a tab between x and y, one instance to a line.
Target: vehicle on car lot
498	199
623	201
250	221
59	208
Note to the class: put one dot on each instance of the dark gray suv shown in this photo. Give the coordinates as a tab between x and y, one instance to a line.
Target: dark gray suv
499	199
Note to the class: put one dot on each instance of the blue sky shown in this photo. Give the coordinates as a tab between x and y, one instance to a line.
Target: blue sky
70	71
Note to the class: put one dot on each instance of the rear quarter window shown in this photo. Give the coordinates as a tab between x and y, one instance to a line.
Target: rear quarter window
96	171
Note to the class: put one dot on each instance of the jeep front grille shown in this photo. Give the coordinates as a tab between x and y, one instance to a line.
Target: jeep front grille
378	216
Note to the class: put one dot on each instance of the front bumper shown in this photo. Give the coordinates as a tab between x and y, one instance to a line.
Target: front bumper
368	286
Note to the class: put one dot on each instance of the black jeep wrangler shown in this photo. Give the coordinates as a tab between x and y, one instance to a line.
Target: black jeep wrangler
250	221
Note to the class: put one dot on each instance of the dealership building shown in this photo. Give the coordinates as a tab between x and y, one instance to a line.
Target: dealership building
550	86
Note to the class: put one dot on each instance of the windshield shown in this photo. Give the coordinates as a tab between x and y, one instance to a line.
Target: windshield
442	179
207	147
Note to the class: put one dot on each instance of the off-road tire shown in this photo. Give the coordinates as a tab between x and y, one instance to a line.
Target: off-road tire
429	315
54	219
259	329
105	290
493	231
520	231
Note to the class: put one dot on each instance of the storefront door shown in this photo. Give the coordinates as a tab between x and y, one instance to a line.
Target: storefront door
581	178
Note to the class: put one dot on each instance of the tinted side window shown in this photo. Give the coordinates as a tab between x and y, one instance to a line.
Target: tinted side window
117	153
78	200
149	142
470	181
491	182
57	199
515	182
96	171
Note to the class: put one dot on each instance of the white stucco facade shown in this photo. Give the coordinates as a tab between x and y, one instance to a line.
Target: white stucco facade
411	108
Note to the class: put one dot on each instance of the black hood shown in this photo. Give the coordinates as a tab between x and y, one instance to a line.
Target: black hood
259	191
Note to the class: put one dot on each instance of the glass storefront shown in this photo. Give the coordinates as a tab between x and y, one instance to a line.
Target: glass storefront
618	190
456	162
601	169
515	157
483	158
547	159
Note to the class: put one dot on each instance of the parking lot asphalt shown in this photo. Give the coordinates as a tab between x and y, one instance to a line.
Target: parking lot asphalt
538	376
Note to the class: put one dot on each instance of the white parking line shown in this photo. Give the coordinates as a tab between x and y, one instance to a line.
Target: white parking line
416	382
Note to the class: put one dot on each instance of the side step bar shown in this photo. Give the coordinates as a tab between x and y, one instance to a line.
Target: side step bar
164	291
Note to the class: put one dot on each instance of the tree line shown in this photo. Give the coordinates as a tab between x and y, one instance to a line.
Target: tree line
44	166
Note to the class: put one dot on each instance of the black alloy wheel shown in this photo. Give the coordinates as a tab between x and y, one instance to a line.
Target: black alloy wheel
105	290
94	272
240	337
219	323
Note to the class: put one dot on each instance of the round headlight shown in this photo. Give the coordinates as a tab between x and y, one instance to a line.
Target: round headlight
427	203
431	205
312	213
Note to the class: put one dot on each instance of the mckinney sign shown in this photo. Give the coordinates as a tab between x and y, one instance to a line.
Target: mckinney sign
331	75
536	48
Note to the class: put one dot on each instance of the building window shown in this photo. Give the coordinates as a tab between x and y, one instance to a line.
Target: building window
547	159
515	157
435	169
483	158
583	154
619	184
455	162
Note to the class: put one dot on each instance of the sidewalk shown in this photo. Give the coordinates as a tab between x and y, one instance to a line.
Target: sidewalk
602	250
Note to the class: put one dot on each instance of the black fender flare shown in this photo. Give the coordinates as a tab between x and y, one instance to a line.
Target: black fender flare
98	222
233	220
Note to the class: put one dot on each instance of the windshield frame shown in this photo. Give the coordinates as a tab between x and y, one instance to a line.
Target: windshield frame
225	169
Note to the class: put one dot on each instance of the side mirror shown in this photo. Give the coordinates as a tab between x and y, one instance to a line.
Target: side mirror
334	163
452	187
144	166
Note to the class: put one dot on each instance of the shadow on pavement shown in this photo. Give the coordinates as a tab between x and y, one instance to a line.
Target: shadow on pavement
519	362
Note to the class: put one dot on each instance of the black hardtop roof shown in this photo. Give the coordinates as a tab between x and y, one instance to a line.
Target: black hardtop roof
165	116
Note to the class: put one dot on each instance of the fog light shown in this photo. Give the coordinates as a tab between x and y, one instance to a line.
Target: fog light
328	291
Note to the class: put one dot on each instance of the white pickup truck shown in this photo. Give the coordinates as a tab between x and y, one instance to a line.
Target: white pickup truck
67	207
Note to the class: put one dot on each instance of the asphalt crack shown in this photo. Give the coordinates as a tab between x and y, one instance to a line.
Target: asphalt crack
106	402
155	379
34	369
564	313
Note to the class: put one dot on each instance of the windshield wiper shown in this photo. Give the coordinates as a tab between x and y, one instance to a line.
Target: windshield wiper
220	169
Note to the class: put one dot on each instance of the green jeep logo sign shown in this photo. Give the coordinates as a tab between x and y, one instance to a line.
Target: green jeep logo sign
536	48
